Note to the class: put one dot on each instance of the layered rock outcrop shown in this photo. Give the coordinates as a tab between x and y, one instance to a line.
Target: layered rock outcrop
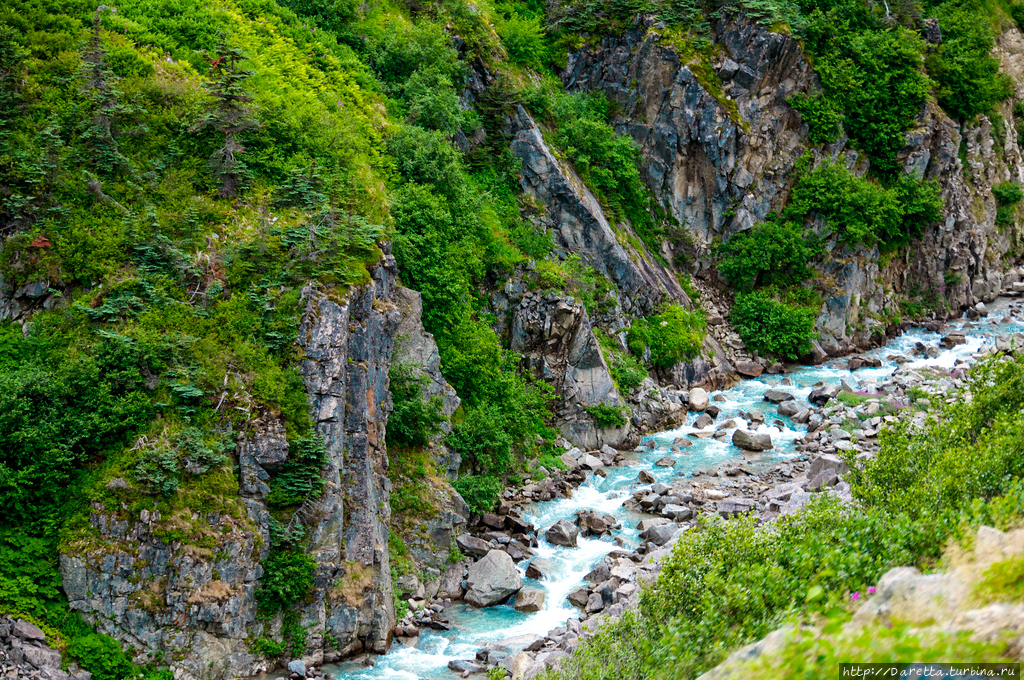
721	157
182	587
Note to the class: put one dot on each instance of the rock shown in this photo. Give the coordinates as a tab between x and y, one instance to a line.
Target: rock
464	667
704	421
823	480
981	309
570	458
530	600
564	533
471	545
789	408
660	535
714	494
28	632
734	505
777	396
591	462
578	597
952	340
827	462
667	461
749	369
822	395
751	441
698	399
539	568
677	512
645	477
492	580
450	586
298	667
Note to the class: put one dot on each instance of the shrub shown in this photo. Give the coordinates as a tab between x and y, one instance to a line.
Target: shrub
606	415
864	211
822	118
413	419
480	491
771	253
1008	193
628	372
523	39
483	441
773	327
287	577
968	76
302	475
668	338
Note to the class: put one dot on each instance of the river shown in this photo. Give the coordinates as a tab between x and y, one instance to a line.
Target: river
472	628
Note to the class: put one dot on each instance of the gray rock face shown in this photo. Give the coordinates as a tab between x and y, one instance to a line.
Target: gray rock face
722	165
751	441
555	336
492	580
579	224
161	598
25	654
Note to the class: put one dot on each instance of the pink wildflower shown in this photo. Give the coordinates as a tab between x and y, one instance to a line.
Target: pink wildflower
855	595
871	590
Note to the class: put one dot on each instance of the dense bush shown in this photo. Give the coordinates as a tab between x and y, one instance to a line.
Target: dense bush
821	116
968	76
606	415
667	338
773	327
287	577
863	211
413	419
480	491
771	253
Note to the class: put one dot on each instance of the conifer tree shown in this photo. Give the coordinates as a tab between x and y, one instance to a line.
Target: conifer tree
99	132
230	115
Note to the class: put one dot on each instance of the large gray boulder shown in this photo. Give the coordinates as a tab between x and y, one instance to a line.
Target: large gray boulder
492	580
530	600
564	533
751	441
825	462
699	399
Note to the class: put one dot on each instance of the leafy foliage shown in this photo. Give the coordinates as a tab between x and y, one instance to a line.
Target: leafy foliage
773	327
287	577
606	415
302	476
480	491
413	419
773	252
668	338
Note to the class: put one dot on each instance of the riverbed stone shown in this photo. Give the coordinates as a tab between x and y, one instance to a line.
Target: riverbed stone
777	396
471	545
751	441
530	600
698	399
539	568
660	535
492	580
824	394
749	369
564	533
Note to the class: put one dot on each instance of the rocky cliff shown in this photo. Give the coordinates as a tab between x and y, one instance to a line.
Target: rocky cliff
181	587
720	153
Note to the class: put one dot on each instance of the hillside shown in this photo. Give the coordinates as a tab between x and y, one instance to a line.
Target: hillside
291	292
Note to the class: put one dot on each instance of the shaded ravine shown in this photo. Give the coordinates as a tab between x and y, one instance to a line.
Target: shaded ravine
472	628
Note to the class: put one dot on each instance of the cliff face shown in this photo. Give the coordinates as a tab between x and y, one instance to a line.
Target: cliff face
192	602
721	156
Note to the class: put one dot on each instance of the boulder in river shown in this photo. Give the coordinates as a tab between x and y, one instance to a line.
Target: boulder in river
704	421
751	441
492	580
645	477
539	568
530	600
789	408
564	533
665	462
698	399
823	394
777	396
471	545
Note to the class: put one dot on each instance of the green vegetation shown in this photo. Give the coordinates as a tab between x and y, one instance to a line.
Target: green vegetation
773	327
862	211
1008	195
667	338
606	415
732	582
414	419
772	253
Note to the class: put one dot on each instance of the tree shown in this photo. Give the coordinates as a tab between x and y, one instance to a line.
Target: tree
229	116
100	86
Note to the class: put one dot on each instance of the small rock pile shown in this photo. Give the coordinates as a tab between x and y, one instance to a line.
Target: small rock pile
24	654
